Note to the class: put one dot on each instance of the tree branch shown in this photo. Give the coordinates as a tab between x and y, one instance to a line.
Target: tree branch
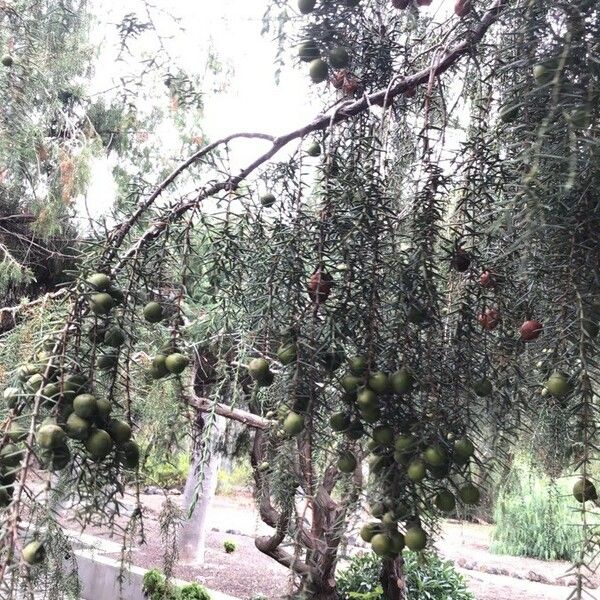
336	115
235	414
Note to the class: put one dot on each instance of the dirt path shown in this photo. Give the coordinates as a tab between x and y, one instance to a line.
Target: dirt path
248	574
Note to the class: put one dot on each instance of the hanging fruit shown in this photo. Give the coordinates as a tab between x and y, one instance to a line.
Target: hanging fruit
153	312
558	385
314	149
308	51
267	200
531	330
319	286
339	57
306	6
461	260
584	490
318	70
415	538
489	319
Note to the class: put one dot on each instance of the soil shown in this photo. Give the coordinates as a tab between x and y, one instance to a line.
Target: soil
247	573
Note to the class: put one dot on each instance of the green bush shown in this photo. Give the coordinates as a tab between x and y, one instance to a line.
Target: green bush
427	578
534	517
156	587
166	474
229	546
230	481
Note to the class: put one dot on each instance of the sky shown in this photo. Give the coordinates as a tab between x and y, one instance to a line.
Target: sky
251	99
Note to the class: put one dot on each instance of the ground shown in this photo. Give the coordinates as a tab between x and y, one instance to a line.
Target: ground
246	573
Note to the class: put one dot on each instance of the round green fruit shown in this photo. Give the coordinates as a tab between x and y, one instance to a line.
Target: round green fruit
11	456
371	414
51	391
56	459
159	367
119	431
99	444
435	456
101	303
398	542
381	544
115	337
99	281
34	383
33	553
77	427
383	435
314	150
117	294
357	365
293	424
558	385
543	73
440	472
405	444
11	396
7	60
4	498
416	471
369	530
306	6
445	501
340	421
332	360
355	431
415	539
153	312
584	490
267	200
469	494
103	407
379	382
339	58
16	433
463	450
107	360
50	436
176	363
389	520
347	463
258	369
402	381
350	383
24	372
483	388
128	454
85	406
366	399
287	354
308	51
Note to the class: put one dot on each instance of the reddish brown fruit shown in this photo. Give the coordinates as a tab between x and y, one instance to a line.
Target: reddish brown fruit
487	280
401	4
489	319
530	330
319	286
350	85
462	7
461	260
337	79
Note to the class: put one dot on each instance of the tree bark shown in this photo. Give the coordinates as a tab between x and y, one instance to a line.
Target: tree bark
392	579
194	530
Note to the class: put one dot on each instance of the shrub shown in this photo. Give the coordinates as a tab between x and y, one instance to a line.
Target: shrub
533	516
429	578
229	481
229	546
156	587
166	474
193	591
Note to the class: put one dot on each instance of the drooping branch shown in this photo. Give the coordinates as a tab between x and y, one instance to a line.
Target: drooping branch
338	114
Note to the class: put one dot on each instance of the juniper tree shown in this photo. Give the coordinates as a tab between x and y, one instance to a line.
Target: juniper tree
388	310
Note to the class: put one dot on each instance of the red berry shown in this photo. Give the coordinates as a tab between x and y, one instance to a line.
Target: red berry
337	79
489	319
350	85
486	279
319	286
530	330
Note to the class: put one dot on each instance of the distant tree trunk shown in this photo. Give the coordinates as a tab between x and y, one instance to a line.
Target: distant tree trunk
203	473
